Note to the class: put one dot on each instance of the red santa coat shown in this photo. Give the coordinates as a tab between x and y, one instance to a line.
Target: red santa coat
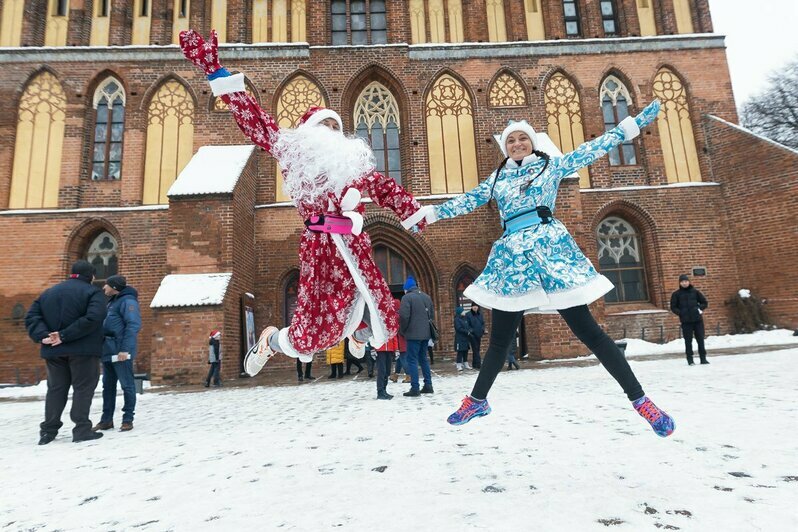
338	277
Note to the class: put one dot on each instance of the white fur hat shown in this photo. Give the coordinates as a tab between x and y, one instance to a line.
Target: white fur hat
513	126
315	115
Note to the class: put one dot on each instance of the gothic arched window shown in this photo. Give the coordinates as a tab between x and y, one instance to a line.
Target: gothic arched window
295	98
170	139
615	100
676	129
564	113
377	121
451	143
506	91
41	122
358	22
620	256
393	266
109	128
102	254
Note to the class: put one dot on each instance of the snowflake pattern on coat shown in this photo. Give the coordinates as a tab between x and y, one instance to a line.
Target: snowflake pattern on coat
528	269
327	293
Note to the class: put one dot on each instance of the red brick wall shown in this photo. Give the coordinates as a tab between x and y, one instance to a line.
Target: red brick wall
760	192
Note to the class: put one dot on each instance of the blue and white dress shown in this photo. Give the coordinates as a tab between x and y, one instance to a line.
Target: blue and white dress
540	268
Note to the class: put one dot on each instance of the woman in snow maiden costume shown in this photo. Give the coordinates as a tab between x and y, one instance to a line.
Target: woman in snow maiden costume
536	265
341	291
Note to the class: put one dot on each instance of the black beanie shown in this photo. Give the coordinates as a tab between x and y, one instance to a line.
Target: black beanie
83	269
684	277
117	282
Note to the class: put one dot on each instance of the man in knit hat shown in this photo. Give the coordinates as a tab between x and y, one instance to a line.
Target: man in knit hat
121	327
66	320
214	358
342	293
689	304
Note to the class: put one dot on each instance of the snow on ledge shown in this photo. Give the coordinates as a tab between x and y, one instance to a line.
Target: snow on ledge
212	170
653	187
191	290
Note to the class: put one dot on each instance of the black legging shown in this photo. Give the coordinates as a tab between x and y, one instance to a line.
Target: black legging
584	326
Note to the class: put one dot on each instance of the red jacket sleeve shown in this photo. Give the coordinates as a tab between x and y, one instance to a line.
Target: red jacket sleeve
256	123
389	194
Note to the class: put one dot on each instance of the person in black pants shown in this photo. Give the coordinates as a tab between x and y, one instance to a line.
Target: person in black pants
536	265
307	376
476	324
350	359
689	304
67	322
214	358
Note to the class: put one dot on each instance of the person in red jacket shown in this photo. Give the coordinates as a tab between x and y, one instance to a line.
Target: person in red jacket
385	356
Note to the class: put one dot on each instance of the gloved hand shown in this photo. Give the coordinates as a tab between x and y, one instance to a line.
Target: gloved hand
204	54
648	114
425	214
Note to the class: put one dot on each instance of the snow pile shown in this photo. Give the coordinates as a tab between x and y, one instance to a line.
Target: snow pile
191	290
637	347
212	170
40	390
562	450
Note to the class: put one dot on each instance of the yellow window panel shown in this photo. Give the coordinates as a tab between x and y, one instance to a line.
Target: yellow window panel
684	17
39	142
437	25
298	17
535	31
645	14
564	118
55	33
219	18
279	21
181	12
142	12
170	140
11	26
676	129
456	21
260	21
418	31
497	30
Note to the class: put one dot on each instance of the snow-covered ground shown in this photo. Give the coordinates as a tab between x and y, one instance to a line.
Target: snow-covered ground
637	347
562	450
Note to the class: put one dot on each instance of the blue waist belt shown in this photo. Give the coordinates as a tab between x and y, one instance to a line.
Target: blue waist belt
537	216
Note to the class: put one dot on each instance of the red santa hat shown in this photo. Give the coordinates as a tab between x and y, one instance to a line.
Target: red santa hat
315	114
216	334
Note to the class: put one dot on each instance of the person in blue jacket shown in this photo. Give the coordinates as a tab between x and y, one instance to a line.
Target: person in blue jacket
536	266
121	326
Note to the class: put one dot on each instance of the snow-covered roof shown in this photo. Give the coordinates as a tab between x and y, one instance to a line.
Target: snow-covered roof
757	135
191	290
212	170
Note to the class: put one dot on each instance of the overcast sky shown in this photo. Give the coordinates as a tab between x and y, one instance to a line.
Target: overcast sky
761	36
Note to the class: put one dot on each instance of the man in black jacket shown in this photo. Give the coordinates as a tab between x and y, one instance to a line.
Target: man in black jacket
689	304
477	325
66	320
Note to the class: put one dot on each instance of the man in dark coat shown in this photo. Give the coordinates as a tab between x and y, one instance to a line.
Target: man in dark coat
477	324
121	327
415	314
461	338
66	320
689	304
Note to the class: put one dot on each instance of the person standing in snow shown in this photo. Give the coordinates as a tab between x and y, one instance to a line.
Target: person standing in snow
335	359
536	266
689	304
325	173
121	327
415	314
67	322
476	324
214	358
461	339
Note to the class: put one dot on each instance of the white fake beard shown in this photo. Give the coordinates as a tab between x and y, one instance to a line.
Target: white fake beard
318	160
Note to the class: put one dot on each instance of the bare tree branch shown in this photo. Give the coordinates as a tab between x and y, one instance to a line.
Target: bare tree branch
774	112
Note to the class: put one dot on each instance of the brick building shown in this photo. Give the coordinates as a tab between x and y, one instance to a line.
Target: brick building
102	114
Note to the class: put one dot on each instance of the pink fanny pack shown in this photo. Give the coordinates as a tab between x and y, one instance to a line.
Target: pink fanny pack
329	223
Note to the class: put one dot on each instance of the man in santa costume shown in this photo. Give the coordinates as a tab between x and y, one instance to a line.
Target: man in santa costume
341	291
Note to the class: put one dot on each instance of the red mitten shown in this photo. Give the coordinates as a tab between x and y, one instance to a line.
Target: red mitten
204	54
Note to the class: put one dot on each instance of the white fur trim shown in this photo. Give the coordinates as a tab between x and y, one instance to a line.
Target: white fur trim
630	128
285	344
228	84
322	114
350	199
539	301
524	126
357	221
378	330
427	212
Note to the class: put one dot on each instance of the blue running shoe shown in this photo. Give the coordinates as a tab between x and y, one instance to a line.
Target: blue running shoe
660	421
470	409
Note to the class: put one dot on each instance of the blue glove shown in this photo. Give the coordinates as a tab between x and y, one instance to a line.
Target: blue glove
648	115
